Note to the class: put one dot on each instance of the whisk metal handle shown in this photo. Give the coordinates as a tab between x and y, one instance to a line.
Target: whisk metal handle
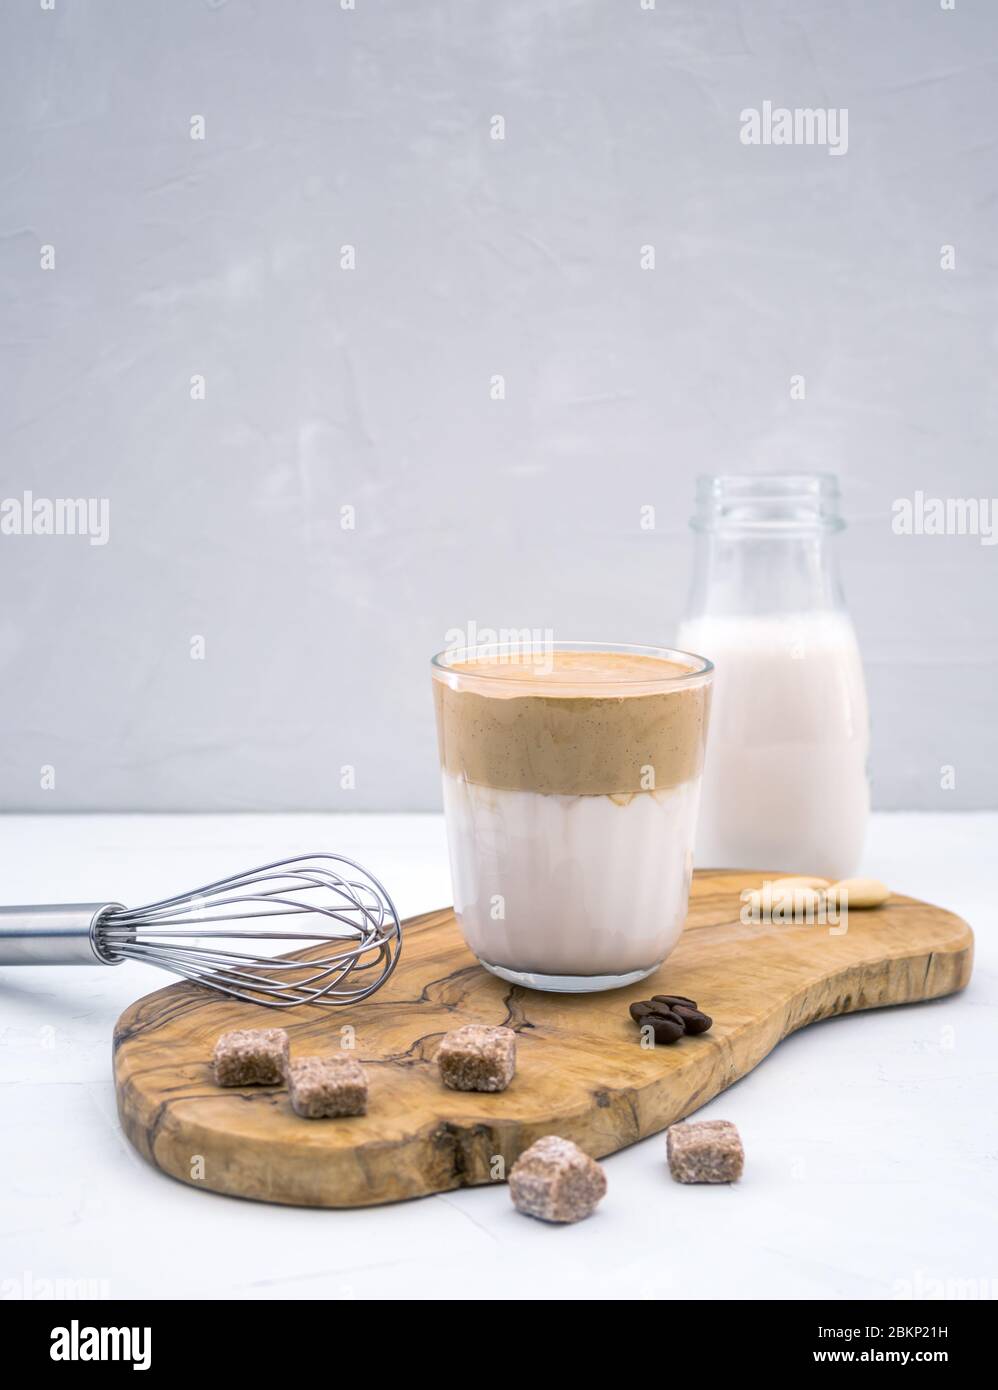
52	934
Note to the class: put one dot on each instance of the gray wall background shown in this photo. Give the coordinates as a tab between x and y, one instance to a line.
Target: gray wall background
370	388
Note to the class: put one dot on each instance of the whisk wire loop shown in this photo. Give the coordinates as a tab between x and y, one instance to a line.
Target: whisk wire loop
364	943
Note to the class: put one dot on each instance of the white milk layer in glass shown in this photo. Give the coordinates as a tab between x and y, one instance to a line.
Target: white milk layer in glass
570	885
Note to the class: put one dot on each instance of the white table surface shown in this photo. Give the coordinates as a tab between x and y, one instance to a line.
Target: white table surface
872	1141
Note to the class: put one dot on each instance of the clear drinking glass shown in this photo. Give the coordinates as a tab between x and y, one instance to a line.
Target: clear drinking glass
786	785
571	778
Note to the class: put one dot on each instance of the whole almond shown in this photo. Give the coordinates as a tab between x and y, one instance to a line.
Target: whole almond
786	903
798	901
801	881
859	892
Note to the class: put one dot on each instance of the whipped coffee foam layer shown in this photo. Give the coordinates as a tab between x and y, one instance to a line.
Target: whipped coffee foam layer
573	724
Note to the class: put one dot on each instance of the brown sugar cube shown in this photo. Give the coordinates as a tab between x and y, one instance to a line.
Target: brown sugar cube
709	1151
319	1087
477	1058
251	1057
556	1181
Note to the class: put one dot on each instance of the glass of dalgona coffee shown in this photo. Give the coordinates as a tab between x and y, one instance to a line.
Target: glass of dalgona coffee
571	779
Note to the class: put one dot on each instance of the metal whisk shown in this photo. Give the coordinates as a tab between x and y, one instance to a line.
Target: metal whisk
349	912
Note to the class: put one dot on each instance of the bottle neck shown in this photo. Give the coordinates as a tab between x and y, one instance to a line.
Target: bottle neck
744	573
764	544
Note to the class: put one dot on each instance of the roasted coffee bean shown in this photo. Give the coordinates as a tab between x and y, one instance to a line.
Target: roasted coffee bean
669	1016
660	1011
693	1020
665	1030
640	1009
670	1000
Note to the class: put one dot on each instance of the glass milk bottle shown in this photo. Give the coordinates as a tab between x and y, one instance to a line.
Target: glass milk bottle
785	783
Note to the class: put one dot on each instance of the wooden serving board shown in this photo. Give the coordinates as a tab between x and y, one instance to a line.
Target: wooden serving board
581	1072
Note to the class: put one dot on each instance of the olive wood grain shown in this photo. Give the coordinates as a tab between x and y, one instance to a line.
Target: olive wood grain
581	1072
